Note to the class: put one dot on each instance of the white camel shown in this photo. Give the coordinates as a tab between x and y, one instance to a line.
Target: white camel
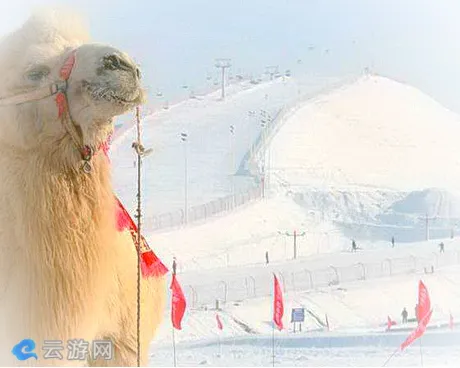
66	272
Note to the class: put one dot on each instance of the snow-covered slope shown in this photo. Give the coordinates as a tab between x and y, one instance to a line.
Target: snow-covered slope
375	132
316	139
366	161
212	152
356	312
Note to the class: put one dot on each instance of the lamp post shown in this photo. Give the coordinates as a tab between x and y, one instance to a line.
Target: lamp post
223	64
265	120
295	234
427	225
184	139
232	152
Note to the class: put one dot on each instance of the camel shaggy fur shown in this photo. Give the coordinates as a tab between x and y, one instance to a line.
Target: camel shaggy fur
65	271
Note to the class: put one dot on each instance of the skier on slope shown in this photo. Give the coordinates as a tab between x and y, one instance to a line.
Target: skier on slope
353	246
392	241
441	247
404	315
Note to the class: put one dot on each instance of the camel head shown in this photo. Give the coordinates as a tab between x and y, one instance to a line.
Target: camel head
103	82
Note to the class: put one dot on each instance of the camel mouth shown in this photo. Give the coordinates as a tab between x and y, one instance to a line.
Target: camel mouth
120	97
123	100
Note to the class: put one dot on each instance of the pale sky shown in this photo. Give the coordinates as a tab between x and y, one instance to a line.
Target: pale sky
176	41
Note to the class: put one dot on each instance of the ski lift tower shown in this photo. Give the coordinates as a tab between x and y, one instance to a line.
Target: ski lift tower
272	70
223	64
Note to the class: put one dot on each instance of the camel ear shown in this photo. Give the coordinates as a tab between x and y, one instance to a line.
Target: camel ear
57	24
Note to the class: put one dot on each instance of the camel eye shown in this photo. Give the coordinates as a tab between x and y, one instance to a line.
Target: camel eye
38	73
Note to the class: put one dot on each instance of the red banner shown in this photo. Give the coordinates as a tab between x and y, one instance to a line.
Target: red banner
418	332
423	315
278	307
151	265
390	323
424	303
220	326
178	304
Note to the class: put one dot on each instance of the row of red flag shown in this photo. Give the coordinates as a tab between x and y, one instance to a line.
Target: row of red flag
391	323
424	310
178	305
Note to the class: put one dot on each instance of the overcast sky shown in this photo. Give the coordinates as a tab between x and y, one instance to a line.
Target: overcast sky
176	41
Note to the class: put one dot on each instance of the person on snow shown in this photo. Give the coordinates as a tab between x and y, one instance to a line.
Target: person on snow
266	258
392	241
404	315
441	247
353	246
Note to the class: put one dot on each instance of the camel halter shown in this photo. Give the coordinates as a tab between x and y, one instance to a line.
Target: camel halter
59	89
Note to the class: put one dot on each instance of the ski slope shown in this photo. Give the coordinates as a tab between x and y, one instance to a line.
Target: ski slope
382	187
375	132
248	288
249	353
357	315
213	154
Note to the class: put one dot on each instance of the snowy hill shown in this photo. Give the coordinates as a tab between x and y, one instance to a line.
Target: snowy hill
212	153
318	138
368	160
374	157
375	132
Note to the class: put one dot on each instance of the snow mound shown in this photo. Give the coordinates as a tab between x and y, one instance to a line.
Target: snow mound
243	237
374	132
432	202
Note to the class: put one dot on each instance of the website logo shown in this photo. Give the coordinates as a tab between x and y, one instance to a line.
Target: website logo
25	350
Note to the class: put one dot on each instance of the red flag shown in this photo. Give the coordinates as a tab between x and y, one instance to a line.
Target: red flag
418	332
178	304
423	314
220	326
451	322
424	303
390	323
151	265
278	307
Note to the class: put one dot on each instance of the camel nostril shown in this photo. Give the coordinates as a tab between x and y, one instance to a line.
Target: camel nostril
115	62
111	62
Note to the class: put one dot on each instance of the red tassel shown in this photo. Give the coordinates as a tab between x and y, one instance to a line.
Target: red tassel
61	104
105	146
123	219
151	265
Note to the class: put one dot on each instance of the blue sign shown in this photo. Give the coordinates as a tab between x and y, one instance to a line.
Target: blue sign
298	315
25	350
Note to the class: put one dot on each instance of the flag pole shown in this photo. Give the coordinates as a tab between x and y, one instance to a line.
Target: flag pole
174	347
273	343
273	325
220	346
390	357
421	352
173	334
